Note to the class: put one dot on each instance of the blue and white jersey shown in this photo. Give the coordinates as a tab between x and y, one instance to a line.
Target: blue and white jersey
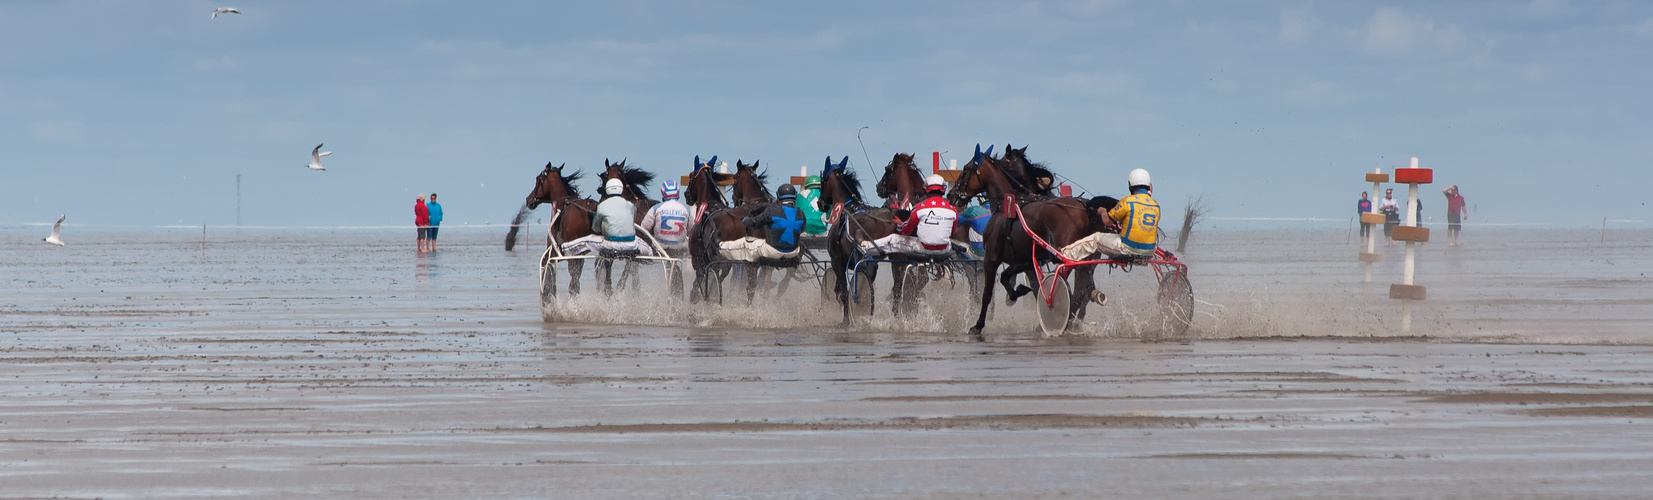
669	223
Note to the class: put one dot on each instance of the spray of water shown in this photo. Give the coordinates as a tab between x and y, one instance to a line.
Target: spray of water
516	224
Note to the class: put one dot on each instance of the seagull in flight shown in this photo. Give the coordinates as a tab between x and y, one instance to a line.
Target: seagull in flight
57	230
315	158
224	10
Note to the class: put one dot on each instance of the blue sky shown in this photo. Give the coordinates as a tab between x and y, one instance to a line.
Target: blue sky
142	113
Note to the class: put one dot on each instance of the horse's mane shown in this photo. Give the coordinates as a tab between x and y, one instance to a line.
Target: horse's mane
568	181
1027	173
637	178
851	183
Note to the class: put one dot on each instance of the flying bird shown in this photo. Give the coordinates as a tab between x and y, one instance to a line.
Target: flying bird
315	158
224	10
57	230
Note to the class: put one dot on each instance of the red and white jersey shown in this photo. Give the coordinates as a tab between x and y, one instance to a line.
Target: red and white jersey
932	221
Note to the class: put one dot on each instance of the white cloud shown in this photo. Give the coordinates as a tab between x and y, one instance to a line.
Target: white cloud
1645	28
1297	25
1546	8
59	130
1091	83
1317	92
221	63
1391	32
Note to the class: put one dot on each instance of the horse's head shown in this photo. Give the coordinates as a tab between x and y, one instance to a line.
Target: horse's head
703	182
838	185
750	186
635	179
969	182
901	181
551	185
1033	177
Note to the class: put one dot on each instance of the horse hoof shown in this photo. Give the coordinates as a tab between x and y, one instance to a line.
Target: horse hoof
1099	298
976	336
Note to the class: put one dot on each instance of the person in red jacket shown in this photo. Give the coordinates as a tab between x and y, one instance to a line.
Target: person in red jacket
421	219
927	231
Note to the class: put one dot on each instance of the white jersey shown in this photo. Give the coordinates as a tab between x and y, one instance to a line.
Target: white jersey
935	226
669	223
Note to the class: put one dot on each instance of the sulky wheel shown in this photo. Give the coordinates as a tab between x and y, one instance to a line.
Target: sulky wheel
1053	318
713	288
1176	304
861	296
912	283
548	293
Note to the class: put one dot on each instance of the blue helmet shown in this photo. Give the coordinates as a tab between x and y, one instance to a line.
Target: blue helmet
668	189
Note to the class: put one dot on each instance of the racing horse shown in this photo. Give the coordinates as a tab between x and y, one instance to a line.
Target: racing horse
850	223
570	214
902	185
1015	201
717	222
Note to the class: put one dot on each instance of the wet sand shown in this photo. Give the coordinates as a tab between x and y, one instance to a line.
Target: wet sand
355	369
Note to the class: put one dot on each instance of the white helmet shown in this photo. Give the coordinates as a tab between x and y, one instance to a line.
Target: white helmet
1139	177
934	181
614	187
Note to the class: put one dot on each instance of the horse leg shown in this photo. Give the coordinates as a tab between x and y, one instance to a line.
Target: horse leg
1084	281
751	281
989	266
605	276
575	268
898	272
840	287
1008	280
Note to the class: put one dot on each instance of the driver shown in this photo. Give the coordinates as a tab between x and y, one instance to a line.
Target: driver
1136	217
928	230
669	221
814	219
611	226
784	223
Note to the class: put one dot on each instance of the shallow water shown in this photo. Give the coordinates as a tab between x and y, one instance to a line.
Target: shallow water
278	364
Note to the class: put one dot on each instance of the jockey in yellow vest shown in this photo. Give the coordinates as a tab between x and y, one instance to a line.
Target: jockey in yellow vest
1136	216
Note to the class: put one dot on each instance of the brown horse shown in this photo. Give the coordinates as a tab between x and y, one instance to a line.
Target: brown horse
719	223
1058	221
902	185
853	222
636	180
570	214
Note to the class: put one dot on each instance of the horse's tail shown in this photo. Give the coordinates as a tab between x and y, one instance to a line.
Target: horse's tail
516	224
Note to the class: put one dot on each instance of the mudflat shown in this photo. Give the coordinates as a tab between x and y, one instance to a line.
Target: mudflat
279	366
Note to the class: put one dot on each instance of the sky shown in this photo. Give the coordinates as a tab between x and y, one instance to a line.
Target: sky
143	113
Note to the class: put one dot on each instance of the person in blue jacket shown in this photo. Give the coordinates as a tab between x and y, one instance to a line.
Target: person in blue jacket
435	220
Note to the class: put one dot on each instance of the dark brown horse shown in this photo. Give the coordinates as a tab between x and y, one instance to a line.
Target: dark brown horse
852	221
1058	221
718	223
570	214
636	181
902	185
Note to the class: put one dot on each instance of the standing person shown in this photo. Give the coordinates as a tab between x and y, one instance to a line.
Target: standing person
1362	208
421	218
1455	214
1391	216
435	210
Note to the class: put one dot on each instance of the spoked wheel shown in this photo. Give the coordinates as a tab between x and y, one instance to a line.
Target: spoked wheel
1053	318
1176	304
548	293
824	278
860	300
713	287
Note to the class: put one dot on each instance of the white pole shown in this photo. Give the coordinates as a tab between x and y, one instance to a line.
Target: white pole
1406	273
1371	232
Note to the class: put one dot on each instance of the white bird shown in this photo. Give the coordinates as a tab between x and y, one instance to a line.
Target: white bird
315	158
224	10
57	230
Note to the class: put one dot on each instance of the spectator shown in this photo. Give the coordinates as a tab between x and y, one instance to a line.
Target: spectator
421	218
1391	216
1455	214
435	210
1362	208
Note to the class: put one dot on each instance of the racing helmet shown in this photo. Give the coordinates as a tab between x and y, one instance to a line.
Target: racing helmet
1139	177
614	187
812	182
668	190
935	183
786	192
